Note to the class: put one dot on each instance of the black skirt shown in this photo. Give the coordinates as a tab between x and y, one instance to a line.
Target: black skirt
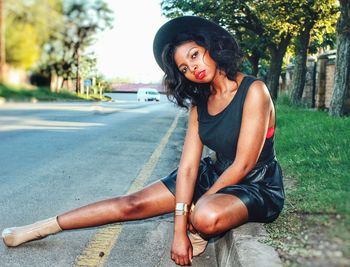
261	190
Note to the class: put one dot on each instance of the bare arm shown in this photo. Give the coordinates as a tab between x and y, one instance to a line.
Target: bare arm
181	251
255	121
188	168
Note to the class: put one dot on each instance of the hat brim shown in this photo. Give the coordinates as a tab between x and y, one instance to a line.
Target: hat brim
186	24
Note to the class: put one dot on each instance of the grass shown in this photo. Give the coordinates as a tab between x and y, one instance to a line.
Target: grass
315	149
314	152
41	94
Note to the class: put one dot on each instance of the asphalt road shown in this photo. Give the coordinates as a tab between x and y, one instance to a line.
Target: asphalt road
59	156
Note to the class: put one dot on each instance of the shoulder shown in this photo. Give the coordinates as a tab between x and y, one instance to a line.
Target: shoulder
258	92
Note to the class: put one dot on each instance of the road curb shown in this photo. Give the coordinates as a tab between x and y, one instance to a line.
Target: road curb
241	247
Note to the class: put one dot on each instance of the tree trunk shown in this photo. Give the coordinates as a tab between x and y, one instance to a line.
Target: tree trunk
254	61
54	77
77	88
300	69
342	63
273	75
2	41
64	79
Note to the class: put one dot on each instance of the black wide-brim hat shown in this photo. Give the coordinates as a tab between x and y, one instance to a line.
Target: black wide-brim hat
181	25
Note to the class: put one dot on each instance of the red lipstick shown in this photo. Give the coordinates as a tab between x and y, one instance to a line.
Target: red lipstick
200	75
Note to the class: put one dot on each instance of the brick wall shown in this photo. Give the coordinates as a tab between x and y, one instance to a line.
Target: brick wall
318	86
330	67
308	92
320	82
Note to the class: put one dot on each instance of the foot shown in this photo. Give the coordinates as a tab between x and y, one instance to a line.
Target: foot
198	243
15	236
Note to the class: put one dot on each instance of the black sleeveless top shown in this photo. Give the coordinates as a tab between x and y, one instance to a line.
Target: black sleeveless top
261	190
220	132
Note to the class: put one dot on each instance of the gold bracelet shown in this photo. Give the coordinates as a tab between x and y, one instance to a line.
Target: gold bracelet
192	207
180	212
181	207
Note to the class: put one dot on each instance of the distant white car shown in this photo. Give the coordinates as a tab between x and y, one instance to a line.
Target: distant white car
148	94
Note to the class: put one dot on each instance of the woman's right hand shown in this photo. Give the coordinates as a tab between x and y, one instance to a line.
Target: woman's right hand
181	250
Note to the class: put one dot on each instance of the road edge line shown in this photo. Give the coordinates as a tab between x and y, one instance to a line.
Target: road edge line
99	247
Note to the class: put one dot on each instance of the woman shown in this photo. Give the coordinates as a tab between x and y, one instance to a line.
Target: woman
229	112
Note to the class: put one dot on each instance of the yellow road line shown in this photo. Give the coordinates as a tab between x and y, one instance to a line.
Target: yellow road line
99	247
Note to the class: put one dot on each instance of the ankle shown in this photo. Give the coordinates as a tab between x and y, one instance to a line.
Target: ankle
15	236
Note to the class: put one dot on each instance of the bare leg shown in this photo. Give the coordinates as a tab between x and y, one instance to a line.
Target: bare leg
212	215
217	213
151	201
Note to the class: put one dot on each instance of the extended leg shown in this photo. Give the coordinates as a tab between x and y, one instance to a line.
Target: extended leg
151	201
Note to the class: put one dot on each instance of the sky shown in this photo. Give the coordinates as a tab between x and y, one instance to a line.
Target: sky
126	50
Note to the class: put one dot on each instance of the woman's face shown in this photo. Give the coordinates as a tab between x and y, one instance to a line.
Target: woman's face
195	63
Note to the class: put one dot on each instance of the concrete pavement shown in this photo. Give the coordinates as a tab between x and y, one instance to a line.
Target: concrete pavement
139	243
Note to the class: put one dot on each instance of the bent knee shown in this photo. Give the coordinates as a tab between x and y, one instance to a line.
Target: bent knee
205	221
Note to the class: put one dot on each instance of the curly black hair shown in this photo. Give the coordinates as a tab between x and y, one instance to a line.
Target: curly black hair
224	51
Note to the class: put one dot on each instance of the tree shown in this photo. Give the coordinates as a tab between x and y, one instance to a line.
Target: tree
82	21
254	50
315	19
2	41
253	47
276	29
85	20
342	64
88	69
56	59
28	27
271	30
